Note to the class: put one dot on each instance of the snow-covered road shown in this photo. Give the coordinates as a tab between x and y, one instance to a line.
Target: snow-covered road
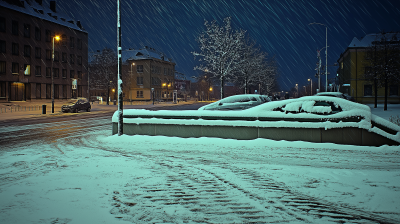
93	177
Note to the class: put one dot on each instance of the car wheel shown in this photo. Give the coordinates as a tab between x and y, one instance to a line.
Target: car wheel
88	109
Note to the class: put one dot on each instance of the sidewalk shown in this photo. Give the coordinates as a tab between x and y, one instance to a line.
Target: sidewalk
27	109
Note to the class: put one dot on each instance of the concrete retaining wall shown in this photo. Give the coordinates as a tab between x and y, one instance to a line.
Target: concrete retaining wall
345	135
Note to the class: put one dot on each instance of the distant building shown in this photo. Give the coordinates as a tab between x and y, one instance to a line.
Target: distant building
352	67
27	29
148	70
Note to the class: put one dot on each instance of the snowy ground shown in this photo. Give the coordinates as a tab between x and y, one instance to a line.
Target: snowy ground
98	178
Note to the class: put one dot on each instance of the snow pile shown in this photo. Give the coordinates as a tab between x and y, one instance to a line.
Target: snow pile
303	108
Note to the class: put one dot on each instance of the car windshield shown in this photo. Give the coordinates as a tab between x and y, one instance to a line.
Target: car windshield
72	101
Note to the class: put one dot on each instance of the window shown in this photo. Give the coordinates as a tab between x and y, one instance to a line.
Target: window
367	90
2	24
156	69
165	71
79	43
15	27
48	54
27	50
139	68
48	72
2	67
38	70
79	60
2	46
79	75
48	36
64	73
155	81
64	40
27	69
56	72
15	49
2	89
71	58
38	52
139	81
15	68
139	94
71	74
71	42
56	56
64	57
38	35
393	90
27	30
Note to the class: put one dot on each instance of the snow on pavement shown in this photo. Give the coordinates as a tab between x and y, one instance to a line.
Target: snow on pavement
141	179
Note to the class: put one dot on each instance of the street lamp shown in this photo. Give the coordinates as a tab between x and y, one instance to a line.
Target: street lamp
52	75
310	80
131	68
326	53
297	89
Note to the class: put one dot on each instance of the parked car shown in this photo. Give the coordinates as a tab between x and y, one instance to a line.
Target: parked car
336	94
237	102
75	105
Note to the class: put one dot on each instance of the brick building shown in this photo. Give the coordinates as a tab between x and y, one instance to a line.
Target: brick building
148	69
27	31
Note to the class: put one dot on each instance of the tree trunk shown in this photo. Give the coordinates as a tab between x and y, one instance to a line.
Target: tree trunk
245	85
108	92
386	94
376	93
222	87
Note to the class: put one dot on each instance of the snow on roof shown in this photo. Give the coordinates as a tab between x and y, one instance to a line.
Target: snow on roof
368	39
35	9
142	54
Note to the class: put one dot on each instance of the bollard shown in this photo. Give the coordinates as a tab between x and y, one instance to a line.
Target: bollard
44	109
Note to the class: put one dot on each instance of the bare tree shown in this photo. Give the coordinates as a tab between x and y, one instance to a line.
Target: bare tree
220	50
382	62
265	78
251	65
104	70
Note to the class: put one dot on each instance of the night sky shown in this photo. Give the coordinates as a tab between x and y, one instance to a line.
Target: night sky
279	27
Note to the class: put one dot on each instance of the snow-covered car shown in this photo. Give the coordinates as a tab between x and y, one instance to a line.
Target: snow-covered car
337	94
237	102
75	105
309	118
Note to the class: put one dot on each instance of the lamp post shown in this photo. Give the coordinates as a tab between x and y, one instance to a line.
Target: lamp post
131	68
52	75
326	53
297	89
310	80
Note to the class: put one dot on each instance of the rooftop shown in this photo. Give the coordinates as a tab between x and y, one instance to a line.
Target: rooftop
35	8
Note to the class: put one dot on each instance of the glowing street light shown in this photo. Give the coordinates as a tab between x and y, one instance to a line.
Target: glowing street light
52	75
310	80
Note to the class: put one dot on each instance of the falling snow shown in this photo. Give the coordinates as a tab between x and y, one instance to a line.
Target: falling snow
280	27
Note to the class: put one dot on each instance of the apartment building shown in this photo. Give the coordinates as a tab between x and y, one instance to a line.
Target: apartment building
353	67
28	30
148	70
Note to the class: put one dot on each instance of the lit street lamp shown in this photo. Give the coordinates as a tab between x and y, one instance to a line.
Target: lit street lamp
326	53
52	75
310	80
297	89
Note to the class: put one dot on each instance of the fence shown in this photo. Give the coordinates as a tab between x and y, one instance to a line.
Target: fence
13	109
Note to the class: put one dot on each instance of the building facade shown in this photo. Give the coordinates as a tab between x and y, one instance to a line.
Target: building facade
27	32
352	69
148	70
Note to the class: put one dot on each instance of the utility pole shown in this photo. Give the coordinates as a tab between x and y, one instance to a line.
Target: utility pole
120	95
